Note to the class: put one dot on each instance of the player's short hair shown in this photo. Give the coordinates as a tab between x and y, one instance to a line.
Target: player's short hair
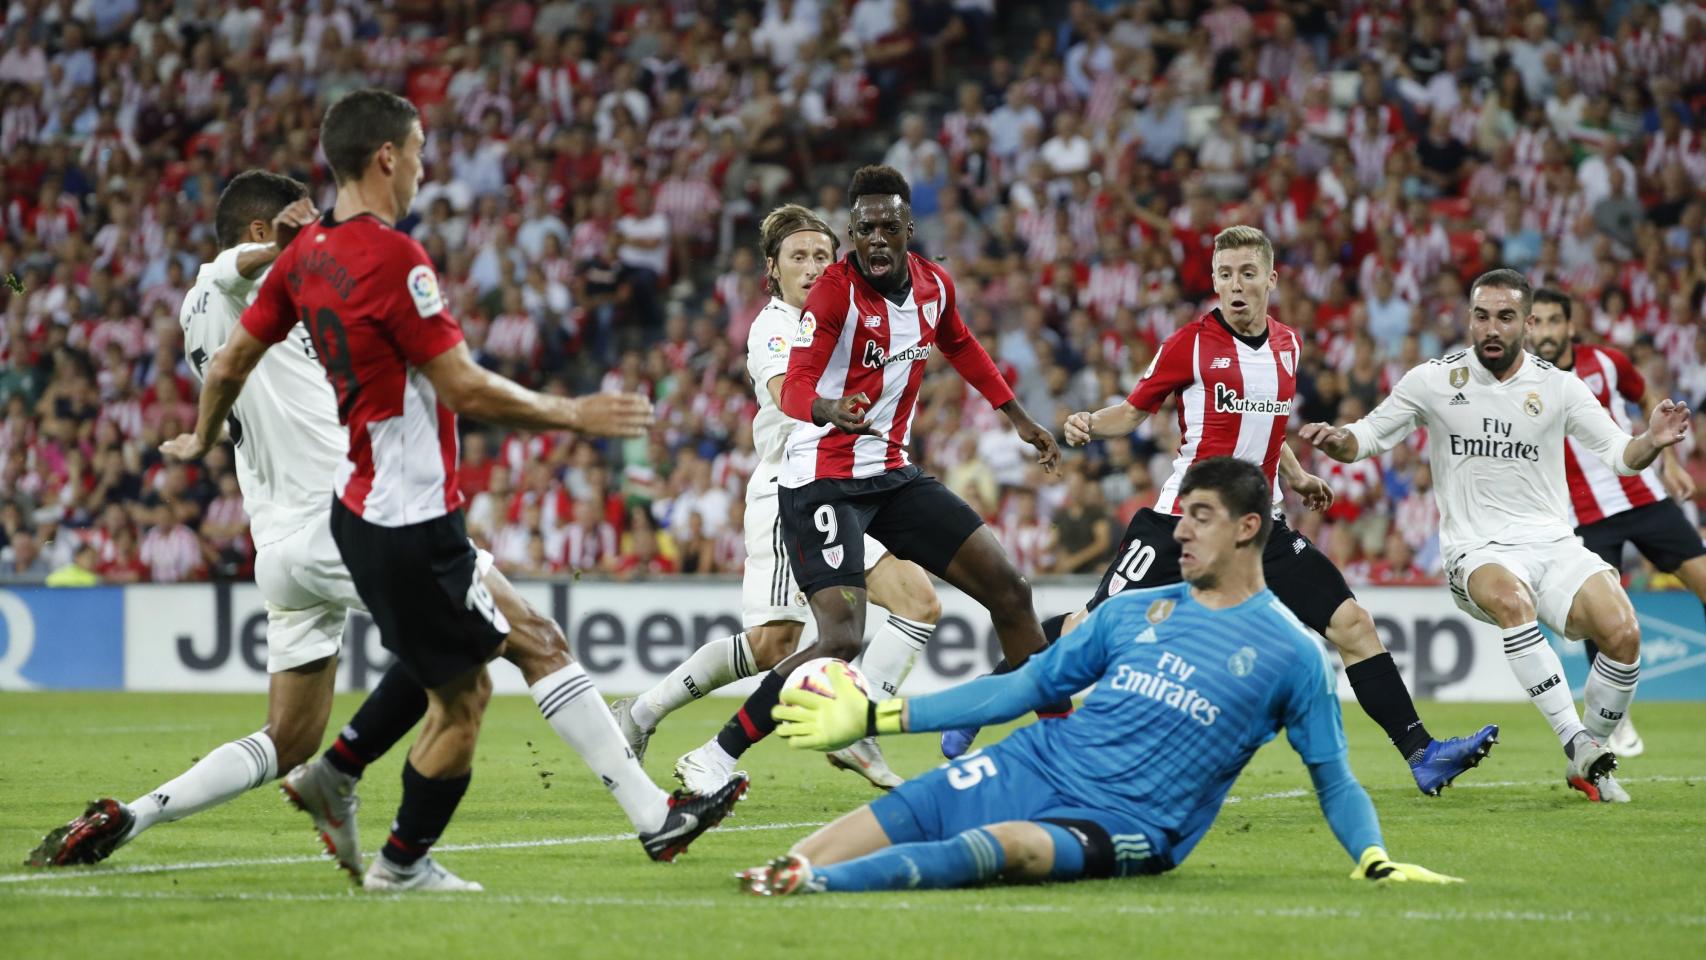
1505	278
1241	487
359	124
880	179
782	223
252	195
1554	296
1244	237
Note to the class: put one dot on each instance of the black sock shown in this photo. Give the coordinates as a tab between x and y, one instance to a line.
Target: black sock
1591	649
752	722
1052	627
426	810
1380	690
388	713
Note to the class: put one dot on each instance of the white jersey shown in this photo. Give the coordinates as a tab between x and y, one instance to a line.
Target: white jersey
767	347
285	423
1497	449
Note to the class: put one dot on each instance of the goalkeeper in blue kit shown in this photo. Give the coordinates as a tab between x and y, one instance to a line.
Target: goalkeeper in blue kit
1187	681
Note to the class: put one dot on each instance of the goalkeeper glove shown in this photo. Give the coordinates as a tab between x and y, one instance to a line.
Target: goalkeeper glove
1377	866
811	721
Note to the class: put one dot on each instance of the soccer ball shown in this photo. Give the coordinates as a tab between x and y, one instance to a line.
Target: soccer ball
811	676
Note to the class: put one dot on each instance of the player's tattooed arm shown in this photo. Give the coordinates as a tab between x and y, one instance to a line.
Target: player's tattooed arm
226	375
1033	433
1336	442
1116	420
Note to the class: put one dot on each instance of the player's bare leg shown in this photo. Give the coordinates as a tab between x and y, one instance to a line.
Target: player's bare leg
982	569
1626	740
1602	612
904	590
298	702
715	665
1537	668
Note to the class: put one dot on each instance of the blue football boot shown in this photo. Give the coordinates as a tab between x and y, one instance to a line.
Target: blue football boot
1445	760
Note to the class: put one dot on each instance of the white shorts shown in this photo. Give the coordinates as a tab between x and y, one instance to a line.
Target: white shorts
1553	573
310	596
767	588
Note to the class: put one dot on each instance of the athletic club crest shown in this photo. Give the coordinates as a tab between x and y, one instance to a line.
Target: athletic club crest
1595	382
833	555
1160	610
1531	405
1288	360
930	313
1459	377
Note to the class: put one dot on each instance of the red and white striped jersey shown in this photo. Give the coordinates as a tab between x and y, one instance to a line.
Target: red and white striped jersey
369	297
1234	398
853	340
1595	491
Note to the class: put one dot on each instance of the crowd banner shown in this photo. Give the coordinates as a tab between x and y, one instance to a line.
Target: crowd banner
212	638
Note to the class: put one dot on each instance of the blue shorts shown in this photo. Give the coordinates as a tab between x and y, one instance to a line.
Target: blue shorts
1002	783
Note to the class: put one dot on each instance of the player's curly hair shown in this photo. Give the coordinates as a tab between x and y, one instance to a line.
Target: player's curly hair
1505	278
1244	237
880	179
1242	489
359	124
252	195
782	223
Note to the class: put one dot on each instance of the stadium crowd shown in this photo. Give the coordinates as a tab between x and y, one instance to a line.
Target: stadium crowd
595	171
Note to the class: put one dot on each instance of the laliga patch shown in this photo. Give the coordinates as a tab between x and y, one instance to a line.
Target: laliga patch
423	289
778	346
833	556
808	327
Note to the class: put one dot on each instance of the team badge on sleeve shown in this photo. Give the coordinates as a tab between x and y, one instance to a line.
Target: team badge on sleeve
1531	405
808	327
423	289
777	345
1459	377
930	310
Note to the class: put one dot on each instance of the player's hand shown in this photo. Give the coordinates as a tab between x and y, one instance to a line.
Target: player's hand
184	446
1669	423
1037	435
812	721
1377	866
291	219
1336	442
1317	493
847	414
1677	481
1077	432
612	414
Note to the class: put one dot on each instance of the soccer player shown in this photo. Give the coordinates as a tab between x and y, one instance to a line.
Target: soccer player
1612	510
870	323
1496	421
369	298
1234	372
1187	682
798	247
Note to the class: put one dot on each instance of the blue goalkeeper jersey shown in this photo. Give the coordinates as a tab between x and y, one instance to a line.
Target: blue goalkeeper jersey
1183	696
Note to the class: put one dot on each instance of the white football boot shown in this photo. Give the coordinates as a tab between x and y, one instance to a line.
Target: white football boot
638	738
866	759
1624	741
327	795
705	769
1590	765
426	875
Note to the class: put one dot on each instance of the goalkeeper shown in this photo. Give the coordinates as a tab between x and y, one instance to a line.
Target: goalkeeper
1188	681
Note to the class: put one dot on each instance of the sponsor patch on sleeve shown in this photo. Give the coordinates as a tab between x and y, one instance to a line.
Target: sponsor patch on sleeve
778	346
423	289
808	327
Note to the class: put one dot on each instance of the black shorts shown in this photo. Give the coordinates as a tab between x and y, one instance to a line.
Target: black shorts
422	586
1661	532
1298	573
824	525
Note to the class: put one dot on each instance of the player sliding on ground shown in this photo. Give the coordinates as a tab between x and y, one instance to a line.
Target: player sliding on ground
797	247
1496	421
1188	681
1612	510
1233	374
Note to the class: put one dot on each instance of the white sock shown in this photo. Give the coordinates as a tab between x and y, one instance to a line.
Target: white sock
716	664
229	771
888	659
574	709
1541	674
1610	687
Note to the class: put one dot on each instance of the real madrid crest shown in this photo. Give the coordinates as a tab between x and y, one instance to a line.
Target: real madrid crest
1459	377
1160	610
1531	405
1241	663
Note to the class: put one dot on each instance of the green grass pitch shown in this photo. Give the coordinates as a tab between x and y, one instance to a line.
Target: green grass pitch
1549	874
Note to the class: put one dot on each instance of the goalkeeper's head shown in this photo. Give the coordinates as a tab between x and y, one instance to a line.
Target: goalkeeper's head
1226	513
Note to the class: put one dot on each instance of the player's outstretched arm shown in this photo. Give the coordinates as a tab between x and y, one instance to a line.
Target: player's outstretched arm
811	721
226	375
1336	442
1033	433
475	392
1666	427
1114	420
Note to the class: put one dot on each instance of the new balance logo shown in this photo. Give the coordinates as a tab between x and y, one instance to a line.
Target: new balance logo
873	322
1459	401
1299	545
1220	363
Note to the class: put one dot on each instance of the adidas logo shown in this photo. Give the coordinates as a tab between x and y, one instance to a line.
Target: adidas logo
1459	401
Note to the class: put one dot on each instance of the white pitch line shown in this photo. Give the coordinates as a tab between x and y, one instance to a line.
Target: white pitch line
1307	912
48	876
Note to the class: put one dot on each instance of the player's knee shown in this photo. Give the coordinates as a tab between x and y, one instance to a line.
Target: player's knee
1352	631
536	645
918	601
1509	605
841	646
1027	850
1012	601
1622	642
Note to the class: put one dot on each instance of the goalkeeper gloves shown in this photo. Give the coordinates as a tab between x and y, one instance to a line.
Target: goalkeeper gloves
811	721
1377	866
